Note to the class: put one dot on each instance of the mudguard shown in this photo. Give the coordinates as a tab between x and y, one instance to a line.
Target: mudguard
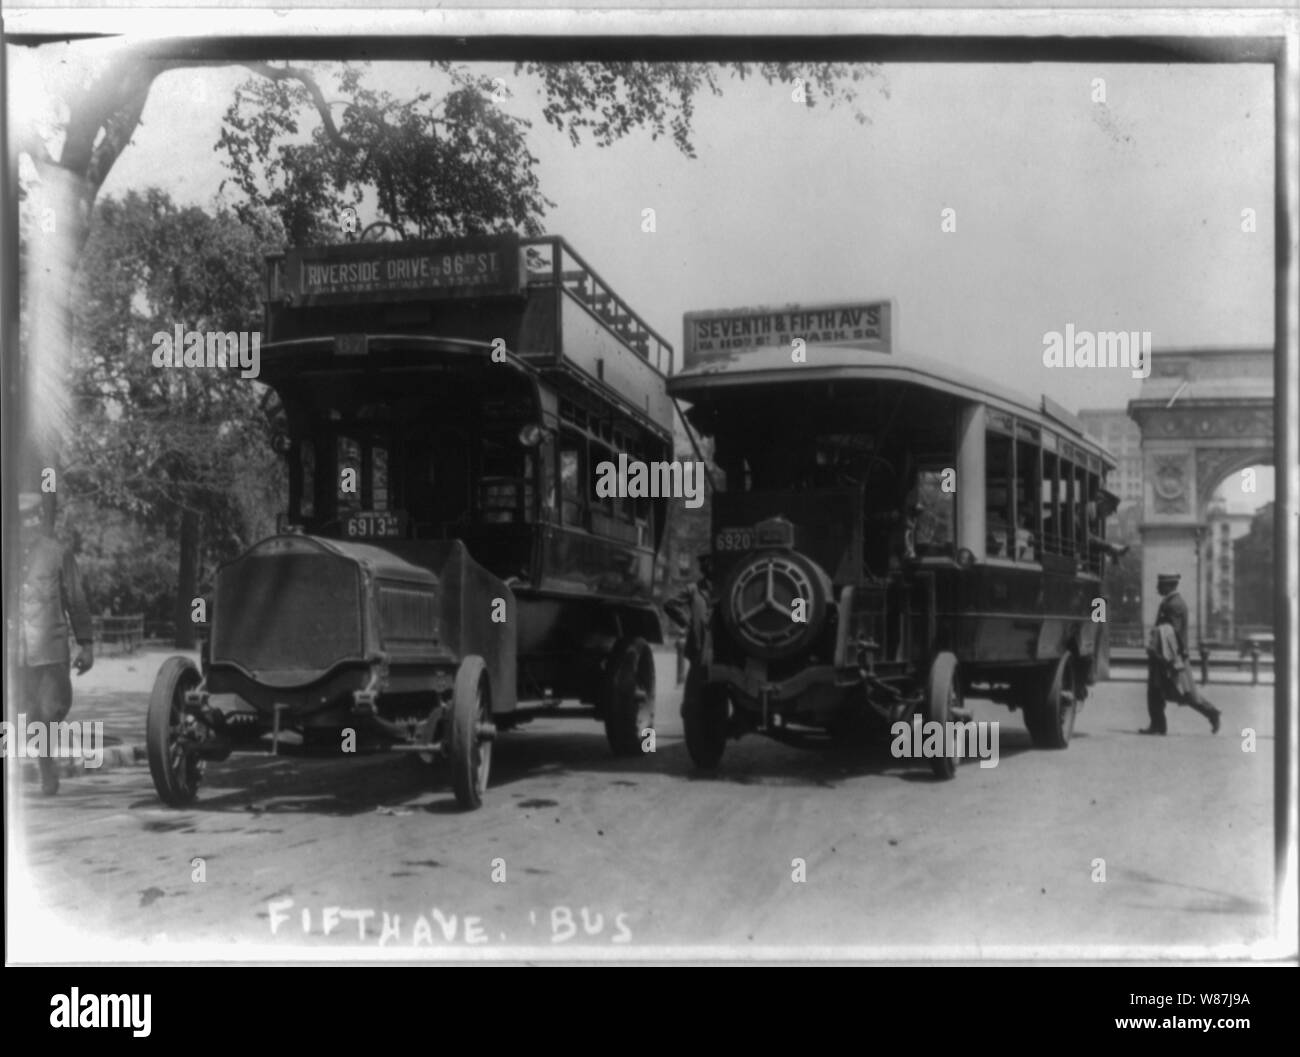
470	597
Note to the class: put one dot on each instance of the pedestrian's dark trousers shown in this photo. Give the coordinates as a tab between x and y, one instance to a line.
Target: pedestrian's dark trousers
1160	687
45	691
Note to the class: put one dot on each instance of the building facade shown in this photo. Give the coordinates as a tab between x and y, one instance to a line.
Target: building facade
1122	437
1224	528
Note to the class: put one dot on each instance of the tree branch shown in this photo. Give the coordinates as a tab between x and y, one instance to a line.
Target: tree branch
308	81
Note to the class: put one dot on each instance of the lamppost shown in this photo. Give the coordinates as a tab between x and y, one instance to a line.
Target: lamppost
1200	587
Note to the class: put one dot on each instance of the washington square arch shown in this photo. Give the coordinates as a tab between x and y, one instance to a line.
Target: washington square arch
1205	414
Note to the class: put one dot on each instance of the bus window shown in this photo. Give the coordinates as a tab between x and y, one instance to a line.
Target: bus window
546	455
737	476
348	485
640	508
378	478
1028	531
1065	505
1080	499
307	491
1049	511
506	487
1095	529
500	500
446	490
572	495
623	509
643	519
603	505
936	515
997	492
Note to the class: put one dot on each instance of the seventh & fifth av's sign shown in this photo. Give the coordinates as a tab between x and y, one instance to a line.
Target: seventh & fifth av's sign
709	335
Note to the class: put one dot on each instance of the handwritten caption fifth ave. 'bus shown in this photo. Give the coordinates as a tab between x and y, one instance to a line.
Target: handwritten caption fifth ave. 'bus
557	924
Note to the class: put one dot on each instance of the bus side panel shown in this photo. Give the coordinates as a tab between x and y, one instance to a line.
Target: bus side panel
593	349
1069	599
993	614
575	561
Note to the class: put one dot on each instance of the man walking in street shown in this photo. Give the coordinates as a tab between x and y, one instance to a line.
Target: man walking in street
51	598
1169	676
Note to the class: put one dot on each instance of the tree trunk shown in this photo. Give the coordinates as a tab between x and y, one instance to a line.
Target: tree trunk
187	580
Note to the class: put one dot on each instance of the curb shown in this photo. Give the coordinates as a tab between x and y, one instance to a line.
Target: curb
115	757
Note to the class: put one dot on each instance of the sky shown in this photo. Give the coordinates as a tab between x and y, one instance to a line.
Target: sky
1117	215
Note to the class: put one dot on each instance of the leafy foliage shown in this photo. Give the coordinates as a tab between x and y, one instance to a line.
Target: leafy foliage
460	164
152	442
609	100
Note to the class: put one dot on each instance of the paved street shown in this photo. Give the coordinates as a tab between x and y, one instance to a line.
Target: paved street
618	855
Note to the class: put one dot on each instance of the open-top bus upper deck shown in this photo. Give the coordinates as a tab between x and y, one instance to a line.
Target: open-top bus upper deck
536	298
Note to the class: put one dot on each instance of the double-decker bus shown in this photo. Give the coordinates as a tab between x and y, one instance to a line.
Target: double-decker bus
892	534
445	568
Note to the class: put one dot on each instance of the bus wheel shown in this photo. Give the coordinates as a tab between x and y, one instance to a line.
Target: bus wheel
629	695
1049	713
175	770
472	733
704	719
942	701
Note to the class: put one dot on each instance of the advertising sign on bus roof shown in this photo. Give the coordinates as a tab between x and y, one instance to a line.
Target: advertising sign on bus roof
713	334
480	266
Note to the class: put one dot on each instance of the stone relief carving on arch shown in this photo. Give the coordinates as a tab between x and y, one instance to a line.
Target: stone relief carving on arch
1169	479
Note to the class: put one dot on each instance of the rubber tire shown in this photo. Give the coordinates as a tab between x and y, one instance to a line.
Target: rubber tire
1050	721
166	701
471	763
942	692
629	695
704	719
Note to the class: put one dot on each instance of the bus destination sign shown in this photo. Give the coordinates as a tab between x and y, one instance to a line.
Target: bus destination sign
714	334
404	271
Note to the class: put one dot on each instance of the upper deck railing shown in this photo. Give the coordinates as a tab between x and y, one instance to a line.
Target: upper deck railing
550	261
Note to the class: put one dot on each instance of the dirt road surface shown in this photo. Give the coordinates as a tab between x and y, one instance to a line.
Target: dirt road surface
1119	846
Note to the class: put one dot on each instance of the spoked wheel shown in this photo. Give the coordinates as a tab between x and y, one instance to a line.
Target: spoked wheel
472	733
704	719
175	770
1050	712
942	705
629	695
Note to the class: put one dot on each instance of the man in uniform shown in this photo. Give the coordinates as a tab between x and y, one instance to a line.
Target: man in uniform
51	598
690	609
1168	673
